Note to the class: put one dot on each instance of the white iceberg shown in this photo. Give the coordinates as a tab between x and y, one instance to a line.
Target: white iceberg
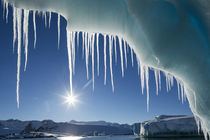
165	126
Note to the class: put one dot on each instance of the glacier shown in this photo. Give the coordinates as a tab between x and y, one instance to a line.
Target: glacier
169	36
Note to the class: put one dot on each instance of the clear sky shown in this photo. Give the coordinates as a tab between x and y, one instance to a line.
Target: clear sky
47	79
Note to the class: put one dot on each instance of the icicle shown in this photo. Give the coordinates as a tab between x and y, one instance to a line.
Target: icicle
147	85
34	22
110	60
104	59
93	41
167	83
86	53
59	30
14	27
156	81
77	40
98	57
171	79
142	77
115	47
7	10
121	56
138	67
195	105
50	16
83	43
19	23
182	92
4	3
73	49
25	35
69	48
132	57
125	53
159	80
89	43
178	88
45	19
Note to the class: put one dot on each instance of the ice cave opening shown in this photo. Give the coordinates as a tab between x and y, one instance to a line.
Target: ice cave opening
171	36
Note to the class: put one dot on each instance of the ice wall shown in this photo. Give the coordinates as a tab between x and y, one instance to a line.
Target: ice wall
167	35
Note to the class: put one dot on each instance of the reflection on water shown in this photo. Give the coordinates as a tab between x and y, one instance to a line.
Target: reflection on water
124	138
113	138
171	138
70	138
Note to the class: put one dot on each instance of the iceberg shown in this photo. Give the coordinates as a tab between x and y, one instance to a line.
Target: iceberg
165	126
169	36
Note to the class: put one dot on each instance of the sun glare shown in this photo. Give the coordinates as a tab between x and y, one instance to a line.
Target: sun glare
71	99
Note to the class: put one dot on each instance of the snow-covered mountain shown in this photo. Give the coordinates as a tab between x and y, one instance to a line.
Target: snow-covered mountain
164	125
75	128
101	123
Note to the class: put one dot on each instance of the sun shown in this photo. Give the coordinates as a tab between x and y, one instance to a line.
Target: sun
71	99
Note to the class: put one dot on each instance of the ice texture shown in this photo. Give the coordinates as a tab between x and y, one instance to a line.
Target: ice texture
168	36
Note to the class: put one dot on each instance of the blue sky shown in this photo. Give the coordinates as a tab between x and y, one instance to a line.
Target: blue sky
47	79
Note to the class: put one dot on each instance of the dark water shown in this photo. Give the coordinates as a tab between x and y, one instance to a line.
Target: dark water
113	138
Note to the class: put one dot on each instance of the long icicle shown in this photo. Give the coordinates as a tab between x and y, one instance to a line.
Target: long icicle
178	88
19	23
77	40
159	78
45	19
110	60
147	85
4	3
14	27
115	47
125	53
7	10
98	55
73	50
93	41
50	16
83	43
69	48
86	53
25	35
59	31
156	81
142	77
34	23
121	56
104	59
132	56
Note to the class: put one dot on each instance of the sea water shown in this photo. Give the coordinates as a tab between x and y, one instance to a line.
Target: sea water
116	138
